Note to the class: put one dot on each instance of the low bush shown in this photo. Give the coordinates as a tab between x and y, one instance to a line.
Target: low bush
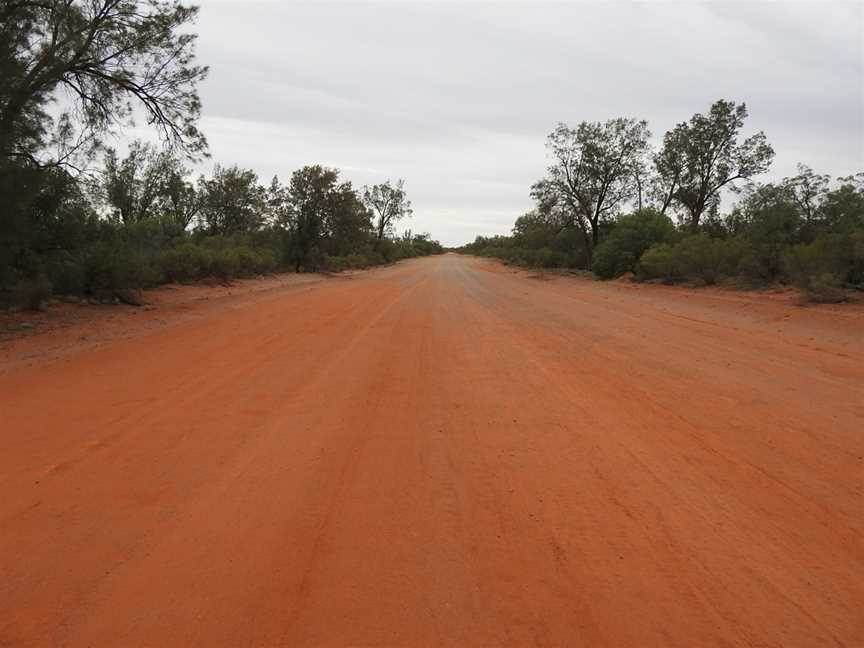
839	255
33	293
546	258
824	289
632	235
697	257
225	265
531	258
186	262
66	273
108	267
352	261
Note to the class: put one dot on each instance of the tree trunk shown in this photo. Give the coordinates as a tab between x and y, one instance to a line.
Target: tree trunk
591	245
695	217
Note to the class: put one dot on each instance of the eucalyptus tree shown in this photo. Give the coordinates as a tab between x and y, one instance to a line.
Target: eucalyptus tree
593	171
669	166
701	157
388	203
808	189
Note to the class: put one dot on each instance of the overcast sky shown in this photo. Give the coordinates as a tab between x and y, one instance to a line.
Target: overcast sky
458	98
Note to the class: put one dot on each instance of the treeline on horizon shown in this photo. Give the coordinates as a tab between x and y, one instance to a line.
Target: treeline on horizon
611	205
72	73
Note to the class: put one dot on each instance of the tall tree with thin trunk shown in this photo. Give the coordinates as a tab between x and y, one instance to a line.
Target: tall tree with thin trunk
388	203
808	190
669	165
701	157
593	171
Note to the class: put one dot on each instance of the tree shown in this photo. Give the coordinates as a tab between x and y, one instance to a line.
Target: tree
148	182
136	186
702	156
771	221
537	228
388	203
592	171
325	216
70	72
181	202
843	207
347	222
232	201
109	56
808	190
669	164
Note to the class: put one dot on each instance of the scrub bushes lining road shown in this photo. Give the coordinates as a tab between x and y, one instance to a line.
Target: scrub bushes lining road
238	229
768	238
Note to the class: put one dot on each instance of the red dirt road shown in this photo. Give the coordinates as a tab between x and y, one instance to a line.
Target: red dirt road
442	453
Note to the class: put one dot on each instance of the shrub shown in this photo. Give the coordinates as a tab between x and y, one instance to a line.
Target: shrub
108	267
632	236
186	262
254	262
33	293
540	258
266	261
825	289
840	255
697	257
659	262
387	249
225	265
772	227
546	258
248	262
66	274
352	261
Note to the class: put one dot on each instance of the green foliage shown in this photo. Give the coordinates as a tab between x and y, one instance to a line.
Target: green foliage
389	203
66	273
631	237
825	289
353	261
838	255
696	257
703	155
770	221
231	201
321	216
33	293
110	56
385	251
592	173
144	221
148	183
537	241
186	262
542	258
842	210
108	268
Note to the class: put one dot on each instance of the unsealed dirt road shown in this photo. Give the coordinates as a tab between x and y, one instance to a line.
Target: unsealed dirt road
441	453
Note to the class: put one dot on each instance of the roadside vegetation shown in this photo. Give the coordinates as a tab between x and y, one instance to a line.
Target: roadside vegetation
80	218
612	205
